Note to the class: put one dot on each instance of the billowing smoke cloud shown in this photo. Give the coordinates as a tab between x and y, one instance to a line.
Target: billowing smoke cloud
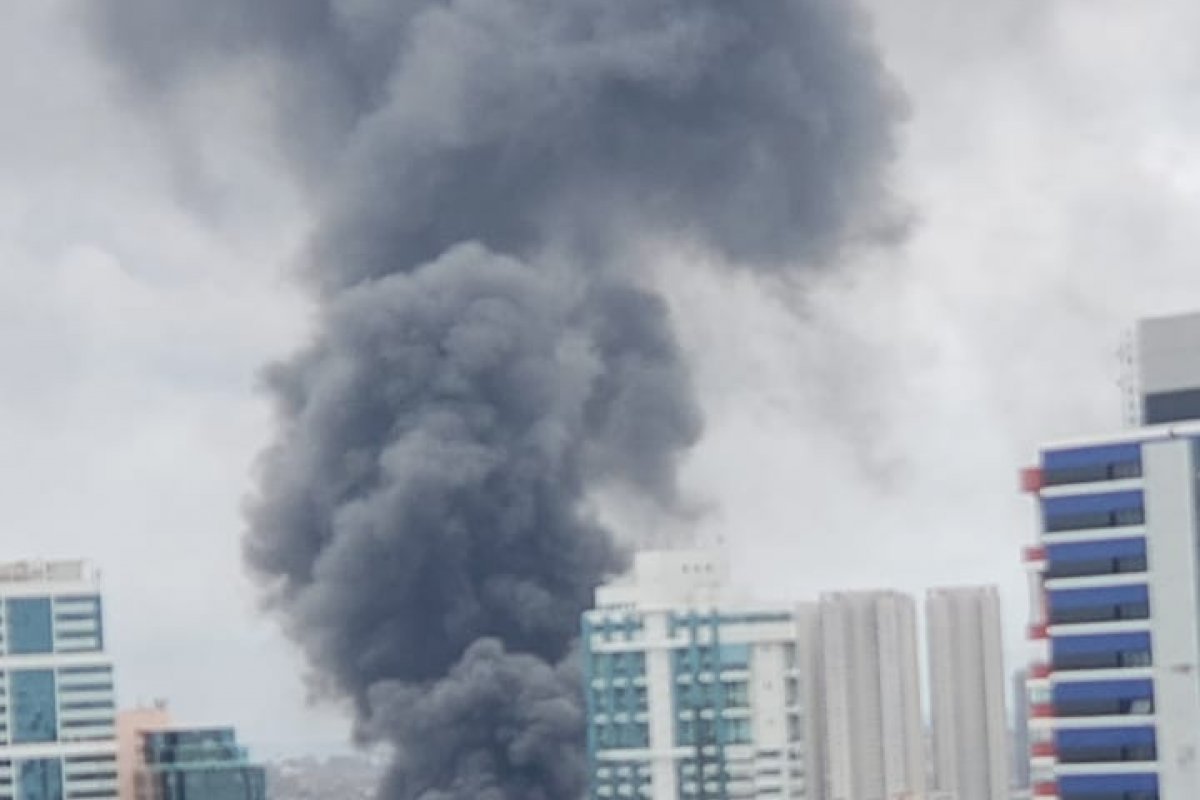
491	349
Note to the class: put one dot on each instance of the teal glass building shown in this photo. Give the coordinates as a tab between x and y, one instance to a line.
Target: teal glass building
198	764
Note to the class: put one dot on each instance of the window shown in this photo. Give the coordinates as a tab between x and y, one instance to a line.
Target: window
1078	512
736	731
40	779
34	711
735	656
1090	464
30	626
737	694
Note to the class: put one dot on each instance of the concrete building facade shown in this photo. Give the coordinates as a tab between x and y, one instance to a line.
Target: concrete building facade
1115	688
693	693
871	731
966	691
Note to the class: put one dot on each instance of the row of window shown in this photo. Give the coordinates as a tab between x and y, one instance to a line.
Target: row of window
31	622
1114	659
35	705
609	699
608	666
1107	754
621	736
713	731
1092	464
723	694
627	628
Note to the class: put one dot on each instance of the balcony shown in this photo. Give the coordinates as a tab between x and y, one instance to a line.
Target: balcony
1042	750
1039	671
1032	480
1045	789
1038	631
1041	711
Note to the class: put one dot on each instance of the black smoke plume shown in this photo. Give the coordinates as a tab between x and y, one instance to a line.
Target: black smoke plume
491	349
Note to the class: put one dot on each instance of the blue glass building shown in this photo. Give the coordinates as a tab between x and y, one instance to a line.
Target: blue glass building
197	764
57	703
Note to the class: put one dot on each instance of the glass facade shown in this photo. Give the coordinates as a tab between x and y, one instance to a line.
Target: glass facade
30	626
202	764
40	779
34	706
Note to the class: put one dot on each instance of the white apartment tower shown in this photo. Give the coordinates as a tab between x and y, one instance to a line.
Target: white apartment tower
56	685
966	676
693	693
871	731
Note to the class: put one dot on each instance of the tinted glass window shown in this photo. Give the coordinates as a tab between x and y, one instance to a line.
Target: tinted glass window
34	716
30	626
40	779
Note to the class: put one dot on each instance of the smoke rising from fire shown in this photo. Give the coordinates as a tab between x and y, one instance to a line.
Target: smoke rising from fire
490	347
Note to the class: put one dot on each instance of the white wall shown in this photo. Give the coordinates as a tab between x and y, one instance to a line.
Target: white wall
1171	543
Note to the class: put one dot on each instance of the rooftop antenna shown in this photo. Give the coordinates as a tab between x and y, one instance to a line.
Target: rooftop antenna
1131	404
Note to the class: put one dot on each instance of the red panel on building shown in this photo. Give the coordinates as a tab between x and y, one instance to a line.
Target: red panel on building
1031	480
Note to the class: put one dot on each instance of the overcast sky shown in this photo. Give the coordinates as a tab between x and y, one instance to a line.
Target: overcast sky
864	431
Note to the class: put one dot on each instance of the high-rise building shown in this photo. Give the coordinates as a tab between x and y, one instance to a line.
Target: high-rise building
1020	732
871	729
693	693
56	685
1115	690
966	675
196	764
131	724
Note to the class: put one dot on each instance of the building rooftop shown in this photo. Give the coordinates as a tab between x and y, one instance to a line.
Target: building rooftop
668	578
36	571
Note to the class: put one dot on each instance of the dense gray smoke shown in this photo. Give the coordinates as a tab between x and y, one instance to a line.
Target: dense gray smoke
490	349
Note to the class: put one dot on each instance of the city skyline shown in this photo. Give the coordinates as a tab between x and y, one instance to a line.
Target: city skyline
866	428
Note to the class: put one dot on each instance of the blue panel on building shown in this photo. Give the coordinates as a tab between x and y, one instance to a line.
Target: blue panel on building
1101	642
1081	738
1095	690
1088	503
1075	786
1089	551
30	625
34	706
1099	596
1091	456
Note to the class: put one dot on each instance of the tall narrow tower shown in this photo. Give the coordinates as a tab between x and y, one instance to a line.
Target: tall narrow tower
871	711
966	672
